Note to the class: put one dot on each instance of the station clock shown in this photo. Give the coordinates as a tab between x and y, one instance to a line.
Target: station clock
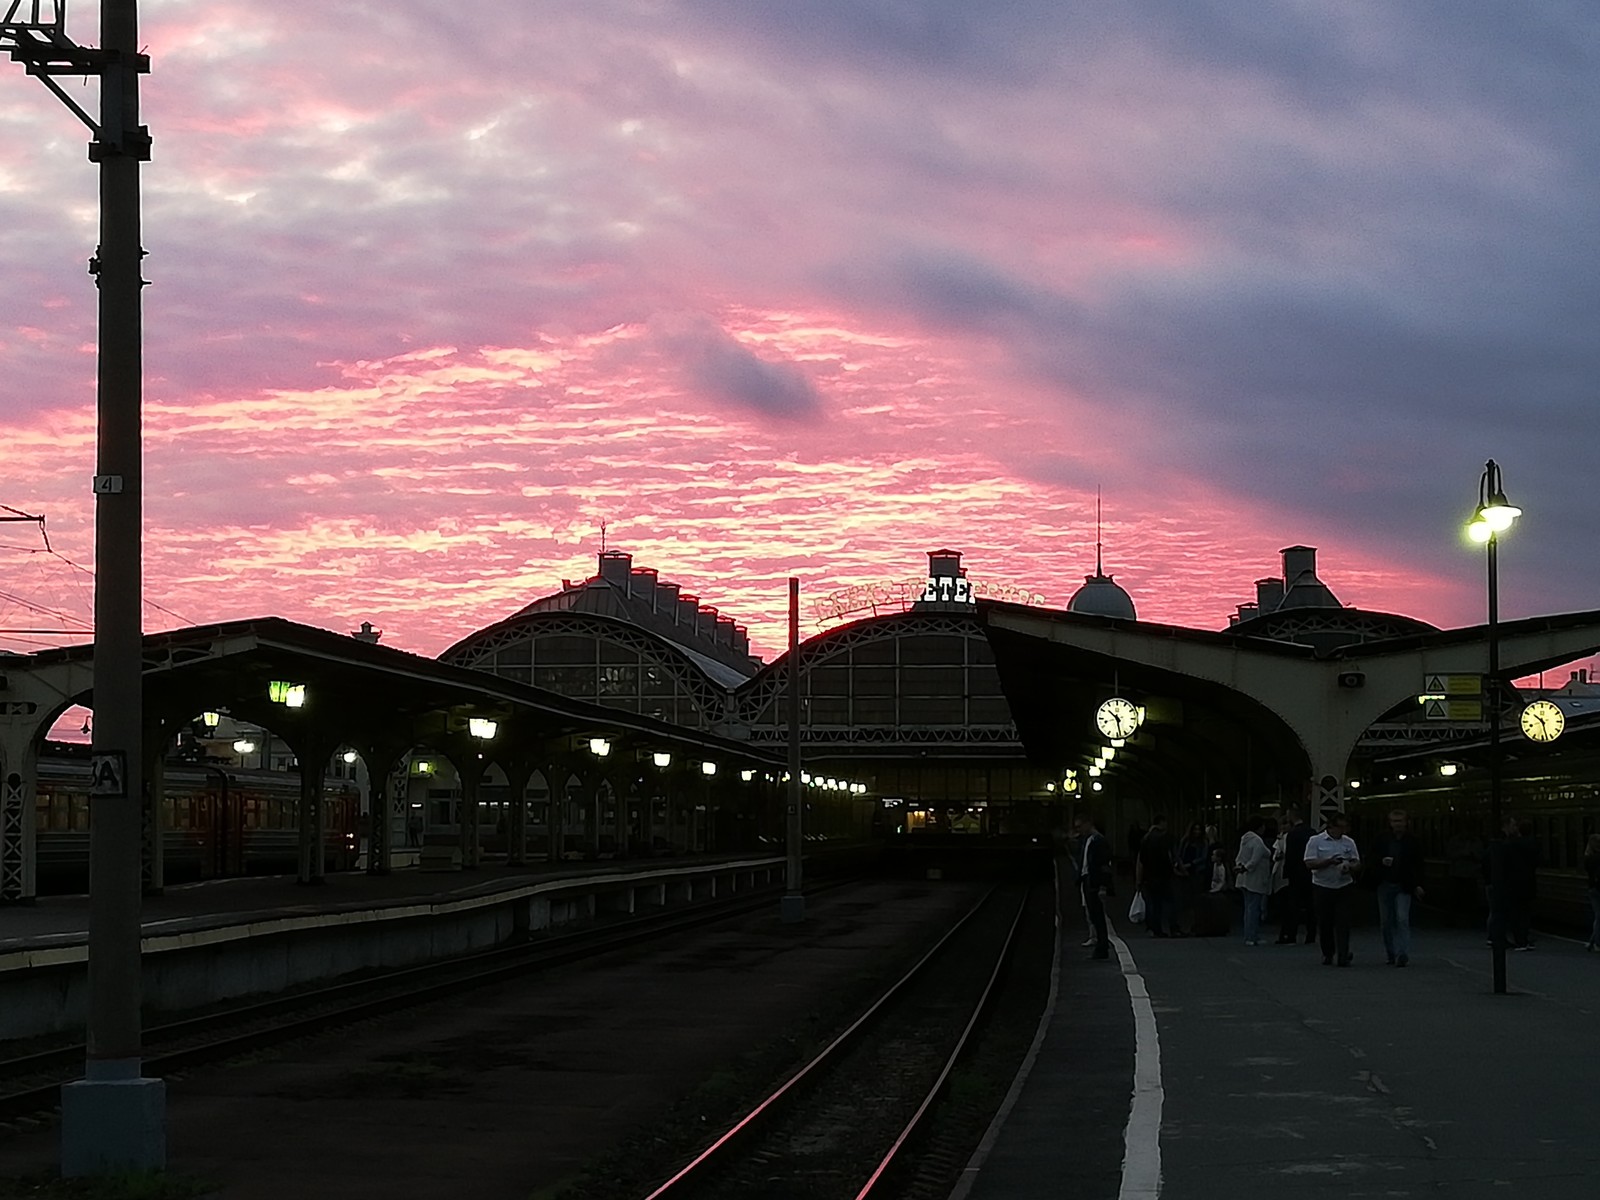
1117	718
1543	721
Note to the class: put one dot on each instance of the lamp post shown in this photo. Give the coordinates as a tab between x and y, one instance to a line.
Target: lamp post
793	904
114	1118
1494	515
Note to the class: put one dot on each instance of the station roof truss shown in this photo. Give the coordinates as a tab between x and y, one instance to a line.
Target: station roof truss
707	682
1209	695
761	701
367	691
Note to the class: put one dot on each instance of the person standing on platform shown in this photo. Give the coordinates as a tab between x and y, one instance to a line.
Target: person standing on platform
1522	872
1334	861
1399	881
1297	892
1094	877
1153	873
1194	875
1591	868
1254	865
1497	881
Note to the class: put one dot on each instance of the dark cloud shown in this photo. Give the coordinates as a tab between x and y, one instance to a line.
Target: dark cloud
729	372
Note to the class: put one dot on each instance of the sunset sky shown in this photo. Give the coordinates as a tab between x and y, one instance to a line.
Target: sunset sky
813	288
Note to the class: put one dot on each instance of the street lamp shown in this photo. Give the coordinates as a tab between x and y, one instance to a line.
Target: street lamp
114	1118
1493	516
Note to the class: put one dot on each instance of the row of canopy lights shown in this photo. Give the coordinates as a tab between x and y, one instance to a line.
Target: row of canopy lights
293	695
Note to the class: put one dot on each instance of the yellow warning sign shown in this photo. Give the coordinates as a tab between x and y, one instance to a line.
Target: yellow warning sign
1452	685
1452	710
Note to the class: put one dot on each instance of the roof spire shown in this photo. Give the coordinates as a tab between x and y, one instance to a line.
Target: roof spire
1099	569
602	537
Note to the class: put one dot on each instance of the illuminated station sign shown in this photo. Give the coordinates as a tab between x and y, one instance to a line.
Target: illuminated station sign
896	596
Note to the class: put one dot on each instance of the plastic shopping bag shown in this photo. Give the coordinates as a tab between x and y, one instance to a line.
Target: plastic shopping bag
1136	909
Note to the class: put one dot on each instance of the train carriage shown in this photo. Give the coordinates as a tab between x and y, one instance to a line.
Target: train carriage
216	822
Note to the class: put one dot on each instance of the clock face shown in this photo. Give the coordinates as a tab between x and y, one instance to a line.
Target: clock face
1543	721
1117	718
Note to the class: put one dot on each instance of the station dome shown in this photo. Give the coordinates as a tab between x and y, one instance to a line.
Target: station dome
1102	596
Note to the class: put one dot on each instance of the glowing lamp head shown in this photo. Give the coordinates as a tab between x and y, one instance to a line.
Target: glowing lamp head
1447	769
244	746
1098	786
295	697
1495	514
350	756
599	747
1094	771
1500	514
210	719
661	758
708	768
746	775
482	728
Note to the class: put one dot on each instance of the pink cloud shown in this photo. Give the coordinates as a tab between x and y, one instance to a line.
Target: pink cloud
431	302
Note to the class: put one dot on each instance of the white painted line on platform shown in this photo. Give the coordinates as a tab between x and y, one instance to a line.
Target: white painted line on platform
969	1173
1141	1141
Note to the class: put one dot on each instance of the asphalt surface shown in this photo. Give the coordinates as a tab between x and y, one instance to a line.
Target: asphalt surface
1286	1078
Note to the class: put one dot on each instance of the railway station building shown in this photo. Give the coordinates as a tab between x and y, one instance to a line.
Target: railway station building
620	716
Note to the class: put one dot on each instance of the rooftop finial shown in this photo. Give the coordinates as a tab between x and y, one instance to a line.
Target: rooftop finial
1098	566
602	537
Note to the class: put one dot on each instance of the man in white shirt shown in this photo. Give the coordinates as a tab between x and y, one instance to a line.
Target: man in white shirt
1254	865
1334	862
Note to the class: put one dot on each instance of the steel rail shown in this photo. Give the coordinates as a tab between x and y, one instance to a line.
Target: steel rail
508	961
934	1092
693	1171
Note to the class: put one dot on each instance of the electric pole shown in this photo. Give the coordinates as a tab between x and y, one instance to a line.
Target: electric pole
113	1119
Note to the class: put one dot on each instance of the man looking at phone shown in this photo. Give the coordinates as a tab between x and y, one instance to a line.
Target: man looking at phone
1334	862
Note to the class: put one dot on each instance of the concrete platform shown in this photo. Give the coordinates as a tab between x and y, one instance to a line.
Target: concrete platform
1281	1077
64	920
209	943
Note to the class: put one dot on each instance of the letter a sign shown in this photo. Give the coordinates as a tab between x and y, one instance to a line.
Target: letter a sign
108	775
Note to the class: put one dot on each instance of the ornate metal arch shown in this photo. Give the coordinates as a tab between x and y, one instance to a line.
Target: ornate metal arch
479	650
759	701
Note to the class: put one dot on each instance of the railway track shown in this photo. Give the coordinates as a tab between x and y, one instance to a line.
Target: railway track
30	1084
846	1124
